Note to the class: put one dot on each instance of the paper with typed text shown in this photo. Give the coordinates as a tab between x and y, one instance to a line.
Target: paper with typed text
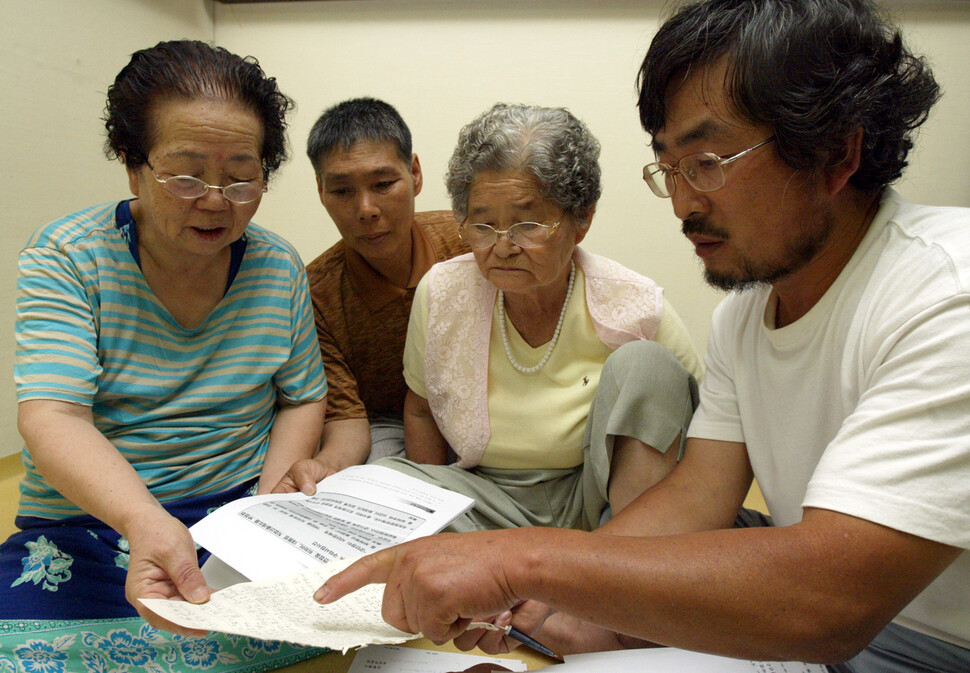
354	512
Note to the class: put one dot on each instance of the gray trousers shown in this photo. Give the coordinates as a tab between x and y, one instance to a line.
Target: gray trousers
386	438
900	650
644	392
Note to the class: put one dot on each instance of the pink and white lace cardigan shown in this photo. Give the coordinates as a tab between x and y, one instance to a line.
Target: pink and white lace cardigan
624	306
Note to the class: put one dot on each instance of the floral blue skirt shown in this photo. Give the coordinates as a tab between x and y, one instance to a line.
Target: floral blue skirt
63	606
132	646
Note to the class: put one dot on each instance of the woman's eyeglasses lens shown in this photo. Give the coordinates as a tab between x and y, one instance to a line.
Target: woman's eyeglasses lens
522	234
187	187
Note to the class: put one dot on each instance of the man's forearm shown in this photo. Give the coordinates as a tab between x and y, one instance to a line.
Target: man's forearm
816	591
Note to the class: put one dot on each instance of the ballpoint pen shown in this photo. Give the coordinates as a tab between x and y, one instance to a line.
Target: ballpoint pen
513	632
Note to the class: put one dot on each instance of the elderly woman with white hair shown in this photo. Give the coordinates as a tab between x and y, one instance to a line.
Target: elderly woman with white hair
562	381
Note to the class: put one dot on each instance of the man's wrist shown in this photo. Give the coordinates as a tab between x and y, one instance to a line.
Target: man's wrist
524	559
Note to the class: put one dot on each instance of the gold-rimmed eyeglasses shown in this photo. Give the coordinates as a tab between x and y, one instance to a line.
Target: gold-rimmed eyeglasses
523	234
702	170
188	187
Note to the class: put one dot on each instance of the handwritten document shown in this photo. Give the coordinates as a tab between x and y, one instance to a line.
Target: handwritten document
378	658
354	512
283	608
673	660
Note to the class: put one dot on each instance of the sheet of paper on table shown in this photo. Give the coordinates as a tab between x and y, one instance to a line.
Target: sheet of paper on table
282	608
377	658
673	660
354	512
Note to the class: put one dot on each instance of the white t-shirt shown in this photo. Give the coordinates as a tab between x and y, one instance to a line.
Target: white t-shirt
862	406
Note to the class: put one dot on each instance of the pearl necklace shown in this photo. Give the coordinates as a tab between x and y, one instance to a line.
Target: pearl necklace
555	335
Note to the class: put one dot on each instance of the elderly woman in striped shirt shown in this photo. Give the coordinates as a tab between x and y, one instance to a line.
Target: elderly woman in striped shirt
167	363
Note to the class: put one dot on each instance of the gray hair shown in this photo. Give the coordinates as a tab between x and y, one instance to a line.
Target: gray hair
548	143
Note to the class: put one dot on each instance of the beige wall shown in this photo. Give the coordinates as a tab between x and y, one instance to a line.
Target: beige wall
53	79
440	62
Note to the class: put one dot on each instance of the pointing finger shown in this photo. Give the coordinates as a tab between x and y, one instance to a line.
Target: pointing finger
372	569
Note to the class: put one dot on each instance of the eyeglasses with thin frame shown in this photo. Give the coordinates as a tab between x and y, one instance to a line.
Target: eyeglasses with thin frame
523	234
702	170
188	187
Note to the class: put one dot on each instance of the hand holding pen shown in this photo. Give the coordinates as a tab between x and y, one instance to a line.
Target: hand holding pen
514	633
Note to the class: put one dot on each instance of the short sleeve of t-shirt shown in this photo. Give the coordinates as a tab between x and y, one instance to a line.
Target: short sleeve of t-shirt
902	457
717	417
56	332
301	378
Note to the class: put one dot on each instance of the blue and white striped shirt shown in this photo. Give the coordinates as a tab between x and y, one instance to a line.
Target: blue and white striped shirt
190	409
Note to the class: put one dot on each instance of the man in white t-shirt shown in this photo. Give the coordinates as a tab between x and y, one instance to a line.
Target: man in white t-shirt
838	374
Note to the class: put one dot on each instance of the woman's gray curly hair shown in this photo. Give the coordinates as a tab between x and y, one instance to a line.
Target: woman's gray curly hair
548	143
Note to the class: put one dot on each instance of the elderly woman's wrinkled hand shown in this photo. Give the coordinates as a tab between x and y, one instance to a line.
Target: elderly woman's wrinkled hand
163	564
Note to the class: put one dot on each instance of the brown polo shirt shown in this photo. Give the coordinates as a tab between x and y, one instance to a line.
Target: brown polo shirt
362	319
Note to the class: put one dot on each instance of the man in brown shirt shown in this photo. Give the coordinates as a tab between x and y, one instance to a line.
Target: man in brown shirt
362	287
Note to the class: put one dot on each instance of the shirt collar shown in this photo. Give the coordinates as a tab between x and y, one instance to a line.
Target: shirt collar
373	288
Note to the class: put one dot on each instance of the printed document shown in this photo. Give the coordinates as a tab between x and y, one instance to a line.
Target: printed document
354	512
673	660
379	658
